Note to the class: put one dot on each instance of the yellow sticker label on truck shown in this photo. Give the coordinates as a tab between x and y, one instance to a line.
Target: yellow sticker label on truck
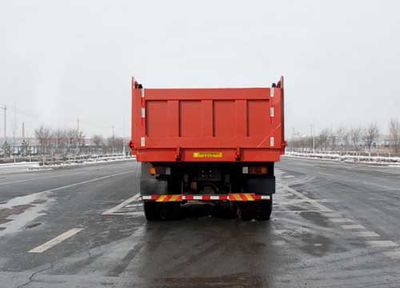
208	155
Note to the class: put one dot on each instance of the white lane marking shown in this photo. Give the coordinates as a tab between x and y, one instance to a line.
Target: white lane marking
57	240
352	227
382	243
84	182
323	208
136	213
394	254
365	234
37	178
331	214
341	220
297	211
134	205
119	206
289	202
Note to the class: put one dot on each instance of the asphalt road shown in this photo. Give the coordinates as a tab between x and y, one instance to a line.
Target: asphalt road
333	225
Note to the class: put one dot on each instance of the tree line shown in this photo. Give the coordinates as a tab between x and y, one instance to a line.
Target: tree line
50	141
367	138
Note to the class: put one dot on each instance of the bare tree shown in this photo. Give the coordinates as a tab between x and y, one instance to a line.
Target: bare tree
119	143
342	135
355	135
6	147
25	148
394	133
370	135
60	138
332	140
98	141
43	135
323	139
75	138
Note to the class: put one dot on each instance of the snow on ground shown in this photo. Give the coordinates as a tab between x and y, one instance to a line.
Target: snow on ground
17	167
34	166
372	160
90	161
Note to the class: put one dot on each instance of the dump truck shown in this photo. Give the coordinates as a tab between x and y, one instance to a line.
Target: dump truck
208	145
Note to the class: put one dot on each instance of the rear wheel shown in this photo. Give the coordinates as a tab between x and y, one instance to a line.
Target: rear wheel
263	210
170	211
224	210
151	211
245	211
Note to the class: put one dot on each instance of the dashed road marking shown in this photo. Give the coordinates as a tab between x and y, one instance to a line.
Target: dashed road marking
345	223
352	227
36	179
297	211
394	254
382	243
57	240
113	210
341	220
84	182
323	208
365	234
331	214
134	205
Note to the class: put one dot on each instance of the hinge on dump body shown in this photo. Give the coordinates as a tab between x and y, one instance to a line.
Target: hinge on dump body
178	154
237	154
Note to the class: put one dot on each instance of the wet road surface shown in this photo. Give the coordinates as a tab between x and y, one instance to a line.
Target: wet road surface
333	225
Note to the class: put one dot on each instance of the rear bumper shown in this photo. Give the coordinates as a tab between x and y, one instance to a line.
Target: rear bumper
239	197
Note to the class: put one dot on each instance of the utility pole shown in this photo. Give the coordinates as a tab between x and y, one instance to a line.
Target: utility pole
23	130
14	127
77	136
4	107
313	139
113	140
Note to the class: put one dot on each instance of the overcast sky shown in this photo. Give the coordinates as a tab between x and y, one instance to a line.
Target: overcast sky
64	60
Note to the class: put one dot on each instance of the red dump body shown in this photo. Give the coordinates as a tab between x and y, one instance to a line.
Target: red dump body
208	125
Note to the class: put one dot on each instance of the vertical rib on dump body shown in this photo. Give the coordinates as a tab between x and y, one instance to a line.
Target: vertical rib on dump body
208	125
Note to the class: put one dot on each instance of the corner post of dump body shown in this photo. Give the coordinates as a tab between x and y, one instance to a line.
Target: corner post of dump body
142	116
133	130
136	129
282	88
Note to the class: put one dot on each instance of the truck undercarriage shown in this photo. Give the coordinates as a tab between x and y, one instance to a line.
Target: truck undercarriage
231	189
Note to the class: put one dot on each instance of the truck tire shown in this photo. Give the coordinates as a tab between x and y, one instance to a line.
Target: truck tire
226	211
263	210
245	211
151	211
170	211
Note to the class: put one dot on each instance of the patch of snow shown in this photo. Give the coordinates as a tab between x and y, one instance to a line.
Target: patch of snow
37	203
17	167
373	160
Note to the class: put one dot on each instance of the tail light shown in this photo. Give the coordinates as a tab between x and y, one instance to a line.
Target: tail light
159	171
255	170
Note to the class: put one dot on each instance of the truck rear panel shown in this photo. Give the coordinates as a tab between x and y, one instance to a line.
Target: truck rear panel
208	125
